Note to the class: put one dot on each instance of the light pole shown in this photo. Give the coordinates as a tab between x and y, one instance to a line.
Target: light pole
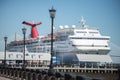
5	39
52	16
24	32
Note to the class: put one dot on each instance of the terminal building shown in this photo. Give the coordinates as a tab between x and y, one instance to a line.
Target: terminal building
31	58
63	59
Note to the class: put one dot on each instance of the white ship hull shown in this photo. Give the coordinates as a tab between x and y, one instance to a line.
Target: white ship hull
76	40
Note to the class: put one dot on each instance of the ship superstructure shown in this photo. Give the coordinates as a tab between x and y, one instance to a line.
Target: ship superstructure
66	39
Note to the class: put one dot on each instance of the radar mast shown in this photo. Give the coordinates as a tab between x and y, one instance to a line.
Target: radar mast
83	22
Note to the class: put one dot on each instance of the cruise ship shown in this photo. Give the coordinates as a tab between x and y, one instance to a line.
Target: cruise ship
80	40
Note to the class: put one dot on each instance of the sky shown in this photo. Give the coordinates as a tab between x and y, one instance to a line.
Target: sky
103	14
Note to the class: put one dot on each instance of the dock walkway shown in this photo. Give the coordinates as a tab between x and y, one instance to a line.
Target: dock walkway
3	78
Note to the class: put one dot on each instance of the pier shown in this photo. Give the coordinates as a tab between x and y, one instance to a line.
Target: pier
77	69
61	73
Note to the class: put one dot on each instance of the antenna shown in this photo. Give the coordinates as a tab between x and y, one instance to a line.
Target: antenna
15	36
83	22
34	32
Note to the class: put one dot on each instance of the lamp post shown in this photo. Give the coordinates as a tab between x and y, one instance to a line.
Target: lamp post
5	39
52	16
24	32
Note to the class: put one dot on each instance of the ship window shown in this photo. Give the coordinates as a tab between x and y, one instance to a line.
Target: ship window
27	54
90	38
10	55
39	56
19	55
106	46
97	53
32	56
89	45
93	32
81	32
